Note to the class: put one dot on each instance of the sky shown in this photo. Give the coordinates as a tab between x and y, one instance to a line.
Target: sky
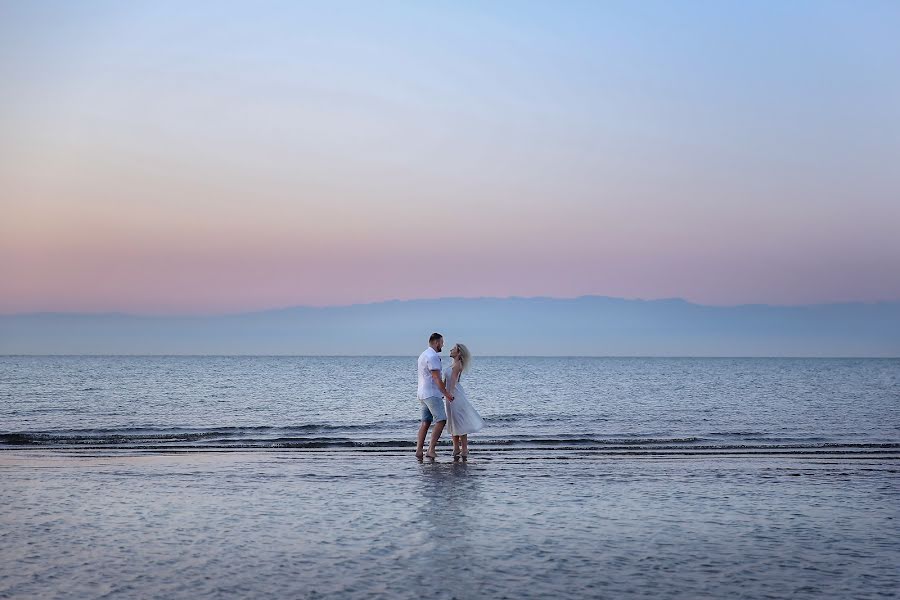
216	157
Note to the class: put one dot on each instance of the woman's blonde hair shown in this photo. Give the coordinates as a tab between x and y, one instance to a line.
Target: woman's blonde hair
465	357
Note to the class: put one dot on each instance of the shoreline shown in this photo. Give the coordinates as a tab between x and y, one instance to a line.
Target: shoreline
14	455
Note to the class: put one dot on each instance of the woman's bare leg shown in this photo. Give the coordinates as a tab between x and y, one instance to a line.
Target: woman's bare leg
465	444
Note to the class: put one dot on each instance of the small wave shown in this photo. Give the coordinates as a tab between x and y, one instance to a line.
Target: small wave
227	428
785	439
565	440
509	417
539	419
144	433
305	434
345	443
311	437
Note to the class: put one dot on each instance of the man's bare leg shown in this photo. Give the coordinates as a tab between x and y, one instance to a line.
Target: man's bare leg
435	436
420	441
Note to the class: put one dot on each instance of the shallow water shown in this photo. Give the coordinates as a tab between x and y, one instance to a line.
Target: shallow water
185	477
382	525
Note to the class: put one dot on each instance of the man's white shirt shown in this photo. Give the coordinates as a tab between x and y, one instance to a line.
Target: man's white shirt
428	361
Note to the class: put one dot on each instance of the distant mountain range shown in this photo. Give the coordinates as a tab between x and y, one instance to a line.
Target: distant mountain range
586	326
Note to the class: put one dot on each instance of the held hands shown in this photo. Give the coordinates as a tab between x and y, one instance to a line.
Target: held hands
449	397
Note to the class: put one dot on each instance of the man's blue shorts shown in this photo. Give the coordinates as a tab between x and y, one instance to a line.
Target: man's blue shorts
433	409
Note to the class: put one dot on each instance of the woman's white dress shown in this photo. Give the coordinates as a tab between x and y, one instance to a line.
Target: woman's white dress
462	418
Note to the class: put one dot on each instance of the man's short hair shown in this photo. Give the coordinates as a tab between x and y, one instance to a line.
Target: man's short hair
434	337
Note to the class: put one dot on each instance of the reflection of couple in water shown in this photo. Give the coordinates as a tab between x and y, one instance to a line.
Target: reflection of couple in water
444	400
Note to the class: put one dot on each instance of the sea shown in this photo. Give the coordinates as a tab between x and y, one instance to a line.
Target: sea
279	476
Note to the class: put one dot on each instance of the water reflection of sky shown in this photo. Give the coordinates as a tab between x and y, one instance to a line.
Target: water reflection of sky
385	525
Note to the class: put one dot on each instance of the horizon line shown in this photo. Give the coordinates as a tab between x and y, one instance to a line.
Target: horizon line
603	356
118	313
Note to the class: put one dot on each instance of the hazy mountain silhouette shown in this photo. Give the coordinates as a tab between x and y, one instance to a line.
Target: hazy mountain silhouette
590	325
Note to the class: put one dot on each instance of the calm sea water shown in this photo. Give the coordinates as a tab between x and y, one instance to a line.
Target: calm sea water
366	402
294	476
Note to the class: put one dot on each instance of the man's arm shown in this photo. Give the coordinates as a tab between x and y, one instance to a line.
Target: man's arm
436	375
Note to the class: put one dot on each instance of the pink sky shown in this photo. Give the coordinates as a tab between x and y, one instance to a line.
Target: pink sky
268	164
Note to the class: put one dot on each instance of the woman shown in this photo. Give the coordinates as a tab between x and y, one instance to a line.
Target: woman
462	418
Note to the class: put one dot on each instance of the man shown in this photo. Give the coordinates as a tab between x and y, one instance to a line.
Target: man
431	388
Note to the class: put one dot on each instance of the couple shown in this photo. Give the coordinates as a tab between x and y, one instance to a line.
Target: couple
460	416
